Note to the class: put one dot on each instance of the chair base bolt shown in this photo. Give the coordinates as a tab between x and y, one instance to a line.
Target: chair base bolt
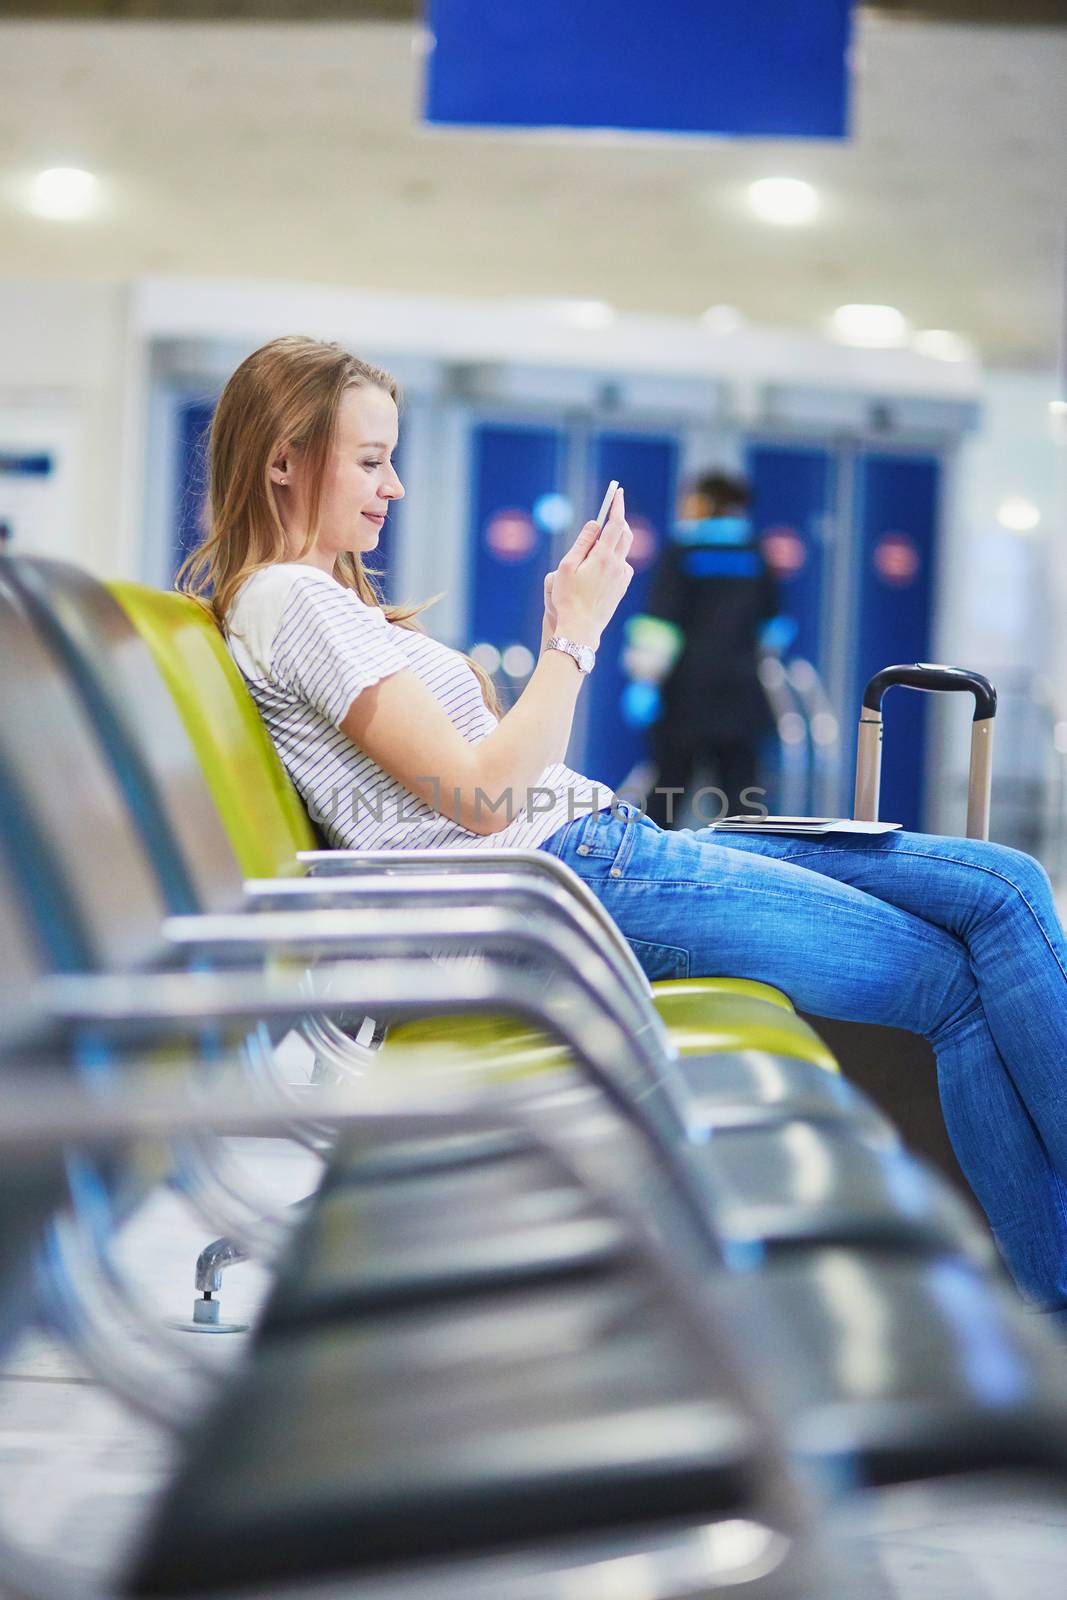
207	1318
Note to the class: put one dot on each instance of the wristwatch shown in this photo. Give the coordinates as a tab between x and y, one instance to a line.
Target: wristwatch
584	654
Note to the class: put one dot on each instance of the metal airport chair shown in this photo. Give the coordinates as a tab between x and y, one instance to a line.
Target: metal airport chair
904	1350
569	1004
112	894
557	1415
179	825
850	1183
948	1383
211	697
611	1418
1007	1432
84	1314
895	1371
112	671
118	905
36	665
267	1504
375	935
713	1459
252	793
47	898
906	1370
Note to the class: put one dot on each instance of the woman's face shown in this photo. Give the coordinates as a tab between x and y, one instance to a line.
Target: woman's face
359	483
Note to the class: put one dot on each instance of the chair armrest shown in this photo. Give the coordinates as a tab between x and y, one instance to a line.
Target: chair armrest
327	863
48	1107
378	930
514	891
342	863
569	1007
315	935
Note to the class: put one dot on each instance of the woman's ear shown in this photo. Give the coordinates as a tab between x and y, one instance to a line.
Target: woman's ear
279	468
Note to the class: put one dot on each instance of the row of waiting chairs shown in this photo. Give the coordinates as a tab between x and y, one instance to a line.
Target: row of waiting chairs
598	1272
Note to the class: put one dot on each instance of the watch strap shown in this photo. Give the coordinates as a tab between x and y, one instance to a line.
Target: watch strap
583	654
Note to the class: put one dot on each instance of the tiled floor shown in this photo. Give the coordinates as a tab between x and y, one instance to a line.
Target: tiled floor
77	1469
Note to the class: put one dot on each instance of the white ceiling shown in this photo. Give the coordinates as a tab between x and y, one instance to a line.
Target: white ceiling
293	151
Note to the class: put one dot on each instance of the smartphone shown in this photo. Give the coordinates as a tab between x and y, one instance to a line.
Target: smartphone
602	515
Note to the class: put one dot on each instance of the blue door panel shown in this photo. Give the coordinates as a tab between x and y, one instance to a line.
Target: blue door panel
512	466
647	467
896	521
792	494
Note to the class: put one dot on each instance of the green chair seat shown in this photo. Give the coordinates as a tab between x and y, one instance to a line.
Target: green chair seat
669	988
489	1048
701	1023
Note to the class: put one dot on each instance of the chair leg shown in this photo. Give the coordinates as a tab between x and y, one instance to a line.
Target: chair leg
210	1265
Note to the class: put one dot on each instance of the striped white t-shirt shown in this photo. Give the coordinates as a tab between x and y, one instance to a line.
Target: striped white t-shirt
307	647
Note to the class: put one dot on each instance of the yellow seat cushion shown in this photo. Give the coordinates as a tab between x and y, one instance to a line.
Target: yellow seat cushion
669	988
491	1048
728	1019
700	1024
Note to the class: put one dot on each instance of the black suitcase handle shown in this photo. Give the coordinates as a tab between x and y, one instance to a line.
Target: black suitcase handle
934	680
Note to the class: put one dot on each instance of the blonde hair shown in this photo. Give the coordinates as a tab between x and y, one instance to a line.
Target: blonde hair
286	392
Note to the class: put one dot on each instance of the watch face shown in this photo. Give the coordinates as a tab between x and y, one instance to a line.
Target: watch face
586	657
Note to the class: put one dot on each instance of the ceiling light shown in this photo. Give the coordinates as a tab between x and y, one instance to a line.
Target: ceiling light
63	193
722	319
1018	514
584	313
875	327
942	345
788	202
1058	408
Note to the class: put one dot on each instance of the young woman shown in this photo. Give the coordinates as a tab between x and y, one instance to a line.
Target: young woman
395	740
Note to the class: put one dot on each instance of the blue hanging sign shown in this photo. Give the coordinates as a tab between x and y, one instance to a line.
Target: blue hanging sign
749	68
37	464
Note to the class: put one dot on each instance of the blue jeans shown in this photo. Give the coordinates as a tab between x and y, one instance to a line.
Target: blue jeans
953	939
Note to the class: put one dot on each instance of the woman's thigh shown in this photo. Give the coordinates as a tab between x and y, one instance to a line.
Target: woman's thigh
953	883
691	906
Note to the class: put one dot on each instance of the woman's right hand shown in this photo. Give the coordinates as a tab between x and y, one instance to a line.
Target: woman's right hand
593	577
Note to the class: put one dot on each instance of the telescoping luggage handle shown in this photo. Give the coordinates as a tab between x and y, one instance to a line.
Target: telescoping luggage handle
934	680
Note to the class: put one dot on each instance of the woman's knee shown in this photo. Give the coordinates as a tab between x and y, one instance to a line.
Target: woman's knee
1009	873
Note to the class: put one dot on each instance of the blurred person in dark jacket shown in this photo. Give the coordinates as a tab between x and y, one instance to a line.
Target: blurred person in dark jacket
693	655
